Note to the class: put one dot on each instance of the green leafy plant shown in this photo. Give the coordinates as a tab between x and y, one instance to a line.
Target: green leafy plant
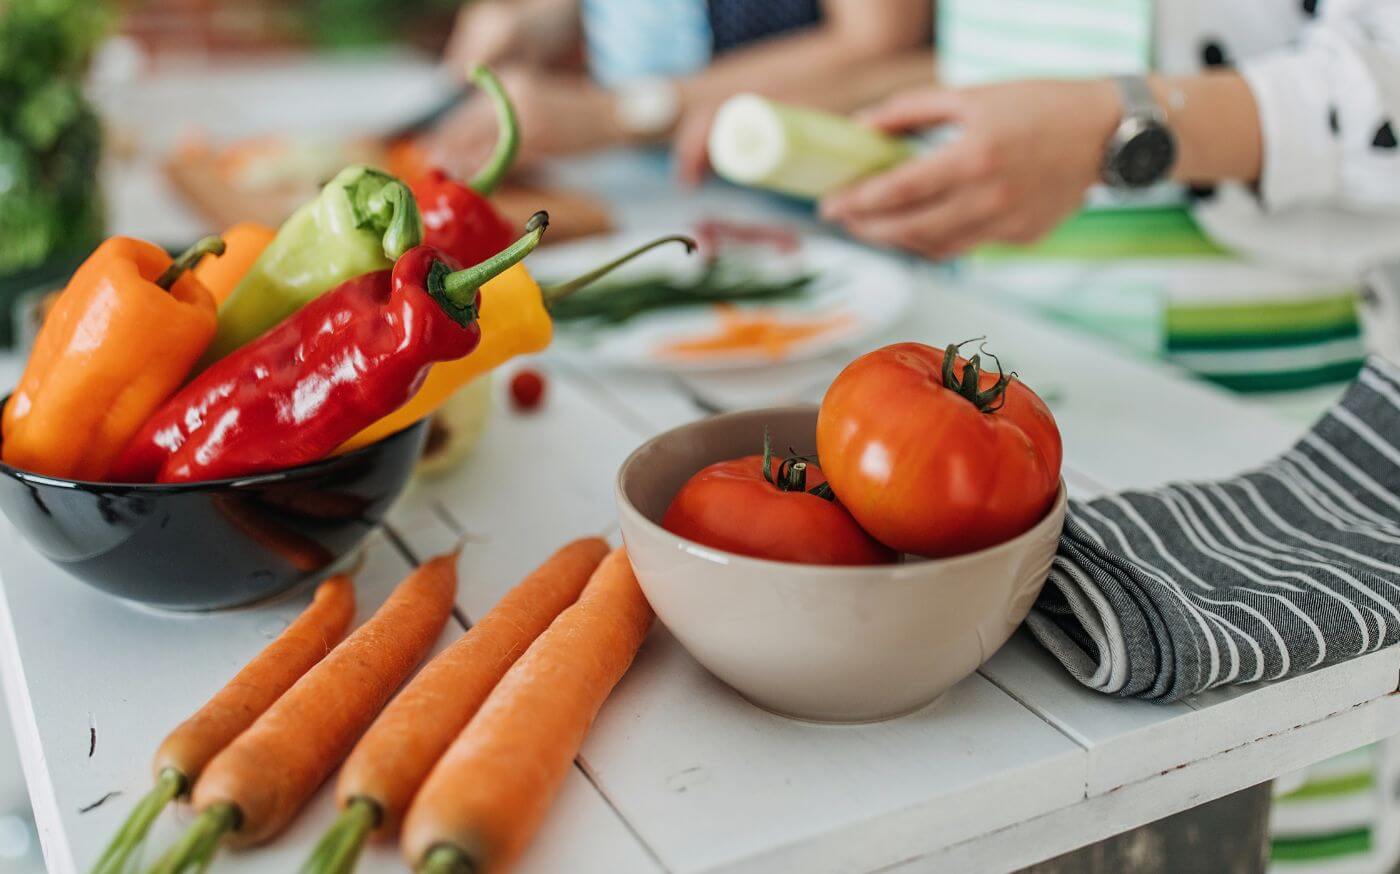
50	138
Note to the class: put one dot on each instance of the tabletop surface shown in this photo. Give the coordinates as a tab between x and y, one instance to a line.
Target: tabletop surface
1016	764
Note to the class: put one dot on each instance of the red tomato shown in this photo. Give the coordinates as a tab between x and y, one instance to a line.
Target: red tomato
936	460
732	506
527	390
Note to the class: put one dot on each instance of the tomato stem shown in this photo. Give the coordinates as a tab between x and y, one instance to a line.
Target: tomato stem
969	386
792	475
792	472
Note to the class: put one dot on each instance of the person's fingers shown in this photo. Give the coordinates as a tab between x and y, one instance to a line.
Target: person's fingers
1020	230
484	33
965	240
911	109
462	139
914	181
691	149
963	162
933	227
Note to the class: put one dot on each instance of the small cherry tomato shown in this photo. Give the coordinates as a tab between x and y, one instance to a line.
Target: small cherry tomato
935	456
784	514
527	390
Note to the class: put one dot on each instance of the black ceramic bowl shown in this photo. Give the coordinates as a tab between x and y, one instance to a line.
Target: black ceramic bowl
203	546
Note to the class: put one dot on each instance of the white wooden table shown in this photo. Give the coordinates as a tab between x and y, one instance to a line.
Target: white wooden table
1016	764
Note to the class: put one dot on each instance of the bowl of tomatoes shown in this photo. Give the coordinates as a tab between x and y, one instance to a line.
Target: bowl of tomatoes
851	562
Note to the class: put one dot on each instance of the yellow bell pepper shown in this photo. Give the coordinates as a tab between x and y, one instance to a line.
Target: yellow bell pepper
514	320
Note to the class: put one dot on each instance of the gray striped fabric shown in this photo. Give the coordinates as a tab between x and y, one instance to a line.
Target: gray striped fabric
1296	565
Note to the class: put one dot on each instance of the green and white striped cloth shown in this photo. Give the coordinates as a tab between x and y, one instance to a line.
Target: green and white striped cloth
1341	816
1145	274
1010	39
1149	279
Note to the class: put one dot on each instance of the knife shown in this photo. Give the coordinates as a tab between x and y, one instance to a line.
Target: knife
431	116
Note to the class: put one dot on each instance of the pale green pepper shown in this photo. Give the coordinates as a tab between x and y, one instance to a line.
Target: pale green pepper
362	221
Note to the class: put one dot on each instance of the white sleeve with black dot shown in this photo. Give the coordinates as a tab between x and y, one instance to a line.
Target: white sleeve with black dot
1329	110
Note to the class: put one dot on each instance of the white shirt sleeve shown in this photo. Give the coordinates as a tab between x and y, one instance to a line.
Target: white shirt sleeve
1329	110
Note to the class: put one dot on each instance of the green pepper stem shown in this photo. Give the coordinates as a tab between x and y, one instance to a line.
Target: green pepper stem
340	849
197	845
132	834
555	293
446	859
385	206
507	133
187	260
455	291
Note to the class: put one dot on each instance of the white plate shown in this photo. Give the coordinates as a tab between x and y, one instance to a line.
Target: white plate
874	289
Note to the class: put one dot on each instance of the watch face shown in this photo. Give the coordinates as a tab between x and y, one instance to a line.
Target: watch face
1145	158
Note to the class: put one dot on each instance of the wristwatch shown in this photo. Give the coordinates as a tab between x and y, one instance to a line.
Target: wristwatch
647	107
1142	150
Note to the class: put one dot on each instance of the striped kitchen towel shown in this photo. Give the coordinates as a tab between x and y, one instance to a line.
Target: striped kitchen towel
1166	593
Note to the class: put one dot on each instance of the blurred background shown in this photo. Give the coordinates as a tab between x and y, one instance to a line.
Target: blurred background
167	118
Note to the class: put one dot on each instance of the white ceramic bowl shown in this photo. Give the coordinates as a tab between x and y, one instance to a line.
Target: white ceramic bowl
830	644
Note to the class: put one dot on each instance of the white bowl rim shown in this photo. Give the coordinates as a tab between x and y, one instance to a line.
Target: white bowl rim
1053	517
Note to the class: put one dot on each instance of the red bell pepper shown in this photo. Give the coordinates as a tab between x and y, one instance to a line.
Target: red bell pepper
342	362
457	218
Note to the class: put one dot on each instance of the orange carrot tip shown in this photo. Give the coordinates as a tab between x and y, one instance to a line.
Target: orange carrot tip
129	838
339	850
197	846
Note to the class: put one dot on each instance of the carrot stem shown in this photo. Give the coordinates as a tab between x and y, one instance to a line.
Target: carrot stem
446	859
196	847
132	834
340	849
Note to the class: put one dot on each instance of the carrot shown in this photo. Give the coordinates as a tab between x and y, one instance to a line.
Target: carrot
484	800
186	750
394	757
760	332
255	786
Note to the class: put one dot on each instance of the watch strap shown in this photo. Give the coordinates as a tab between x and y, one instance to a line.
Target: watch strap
1138	99
1141	113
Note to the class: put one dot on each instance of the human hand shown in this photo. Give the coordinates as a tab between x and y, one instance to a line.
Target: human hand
559	114
690	146
1027	153
485	32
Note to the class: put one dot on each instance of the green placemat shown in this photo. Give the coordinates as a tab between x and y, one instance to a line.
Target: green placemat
1108	234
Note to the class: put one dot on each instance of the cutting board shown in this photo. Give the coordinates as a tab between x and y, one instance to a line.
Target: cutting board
197	173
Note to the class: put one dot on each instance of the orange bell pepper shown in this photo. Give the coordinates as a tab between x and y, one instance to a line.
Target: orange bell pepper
120	339
243	243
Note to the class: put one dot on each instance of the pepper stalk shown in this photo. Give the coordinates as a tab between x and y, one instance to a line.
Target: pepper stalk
555	293
189	259
385	206
456	291
507	133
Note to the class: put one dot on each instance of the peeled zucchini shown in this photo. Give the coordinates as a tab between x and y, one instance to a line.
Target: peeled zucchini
802	152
